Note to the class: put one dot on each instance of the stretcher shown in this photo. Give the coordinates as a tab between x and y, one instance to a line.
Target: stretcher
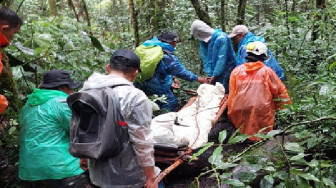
173	155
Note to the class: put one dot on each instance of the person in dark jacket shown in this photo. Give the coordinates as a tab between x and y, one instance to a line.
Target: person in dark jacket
168	68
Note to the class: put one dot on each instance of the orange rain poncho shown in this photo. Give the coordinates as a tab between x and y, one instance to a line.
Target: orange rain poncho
3	104
251	103
3	101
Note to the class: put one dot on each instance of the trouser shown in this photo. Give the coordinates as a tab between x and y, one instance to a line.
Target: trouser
79	181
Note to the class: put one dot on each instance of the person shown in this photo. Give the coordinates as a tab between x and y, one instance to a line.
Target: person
217	53
44	157
10	24
137	169
166	72
255	93
241	36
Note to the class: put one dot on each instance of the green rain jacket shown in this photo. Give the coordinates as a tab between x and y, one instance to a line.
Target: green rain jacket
44	140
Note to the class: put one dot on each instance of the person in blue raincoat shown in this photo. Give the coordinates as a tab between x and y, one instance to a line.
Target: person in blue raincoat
162	80
217	53
241	36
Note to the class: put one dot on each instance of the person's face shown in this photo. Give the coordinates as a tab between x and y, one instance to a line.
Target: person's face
174	44
237	39
66	89
9	32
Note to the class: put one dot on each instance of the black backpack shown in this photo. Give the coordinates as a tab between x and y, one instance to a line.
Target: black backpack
97	129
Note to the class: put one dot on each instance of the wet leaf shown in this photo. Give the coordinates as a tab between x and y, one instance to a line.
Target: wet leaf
96	43
233	182
297	157
295	147
222	136
267	182
246	176
17	72
238	138
328	182
309	176
205	147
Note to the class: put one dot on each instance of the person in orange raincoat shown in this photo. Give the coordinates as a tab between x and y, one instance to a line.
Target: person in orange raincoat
10	24
255	93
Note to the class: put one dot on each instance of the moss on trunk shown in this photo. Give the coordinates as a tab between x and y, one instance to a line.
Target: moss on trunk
7	83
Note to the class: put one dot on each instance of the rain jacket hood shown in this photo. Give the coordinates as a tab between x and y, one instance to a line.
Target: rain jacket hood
156	42
97	80
40	96
270	62
201	30
250	37
253	66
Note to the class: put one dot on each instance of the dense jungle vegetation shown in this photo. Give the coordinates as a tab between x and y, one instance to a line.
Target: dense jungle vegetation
80	35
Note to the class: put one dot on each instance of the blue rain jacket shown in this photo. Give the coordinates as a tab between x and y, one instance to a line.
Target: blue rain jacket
218	57
270	62
161	82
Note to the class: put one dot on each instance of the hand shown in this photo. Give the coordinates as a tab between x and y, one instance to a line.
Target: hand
150	183
176	84
211	79
83	163
202	80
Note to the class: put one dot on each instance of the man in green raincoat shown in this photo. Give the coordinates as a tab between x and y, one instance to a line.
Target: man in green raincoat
44	140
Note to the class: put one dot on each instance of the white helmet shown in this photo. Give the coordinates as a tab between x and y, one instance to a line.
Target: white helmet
257	48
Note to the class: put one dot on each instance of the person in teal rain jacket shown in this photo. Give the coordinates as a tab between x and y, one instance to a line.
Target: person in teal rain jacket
162	80
217	53
241	36
44	121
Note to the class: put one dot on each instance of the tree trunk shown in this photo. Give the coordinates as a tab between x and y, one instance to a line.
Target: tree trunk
79	9
72	7
87	17
202	14
134	22
241	12
53	8
157	15
258	13
8	85
223	12
293	6
321	5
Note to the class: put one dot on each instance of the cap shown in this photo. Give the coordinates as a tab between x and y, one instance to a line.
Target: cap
238	29
127	58
169	37
55	78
